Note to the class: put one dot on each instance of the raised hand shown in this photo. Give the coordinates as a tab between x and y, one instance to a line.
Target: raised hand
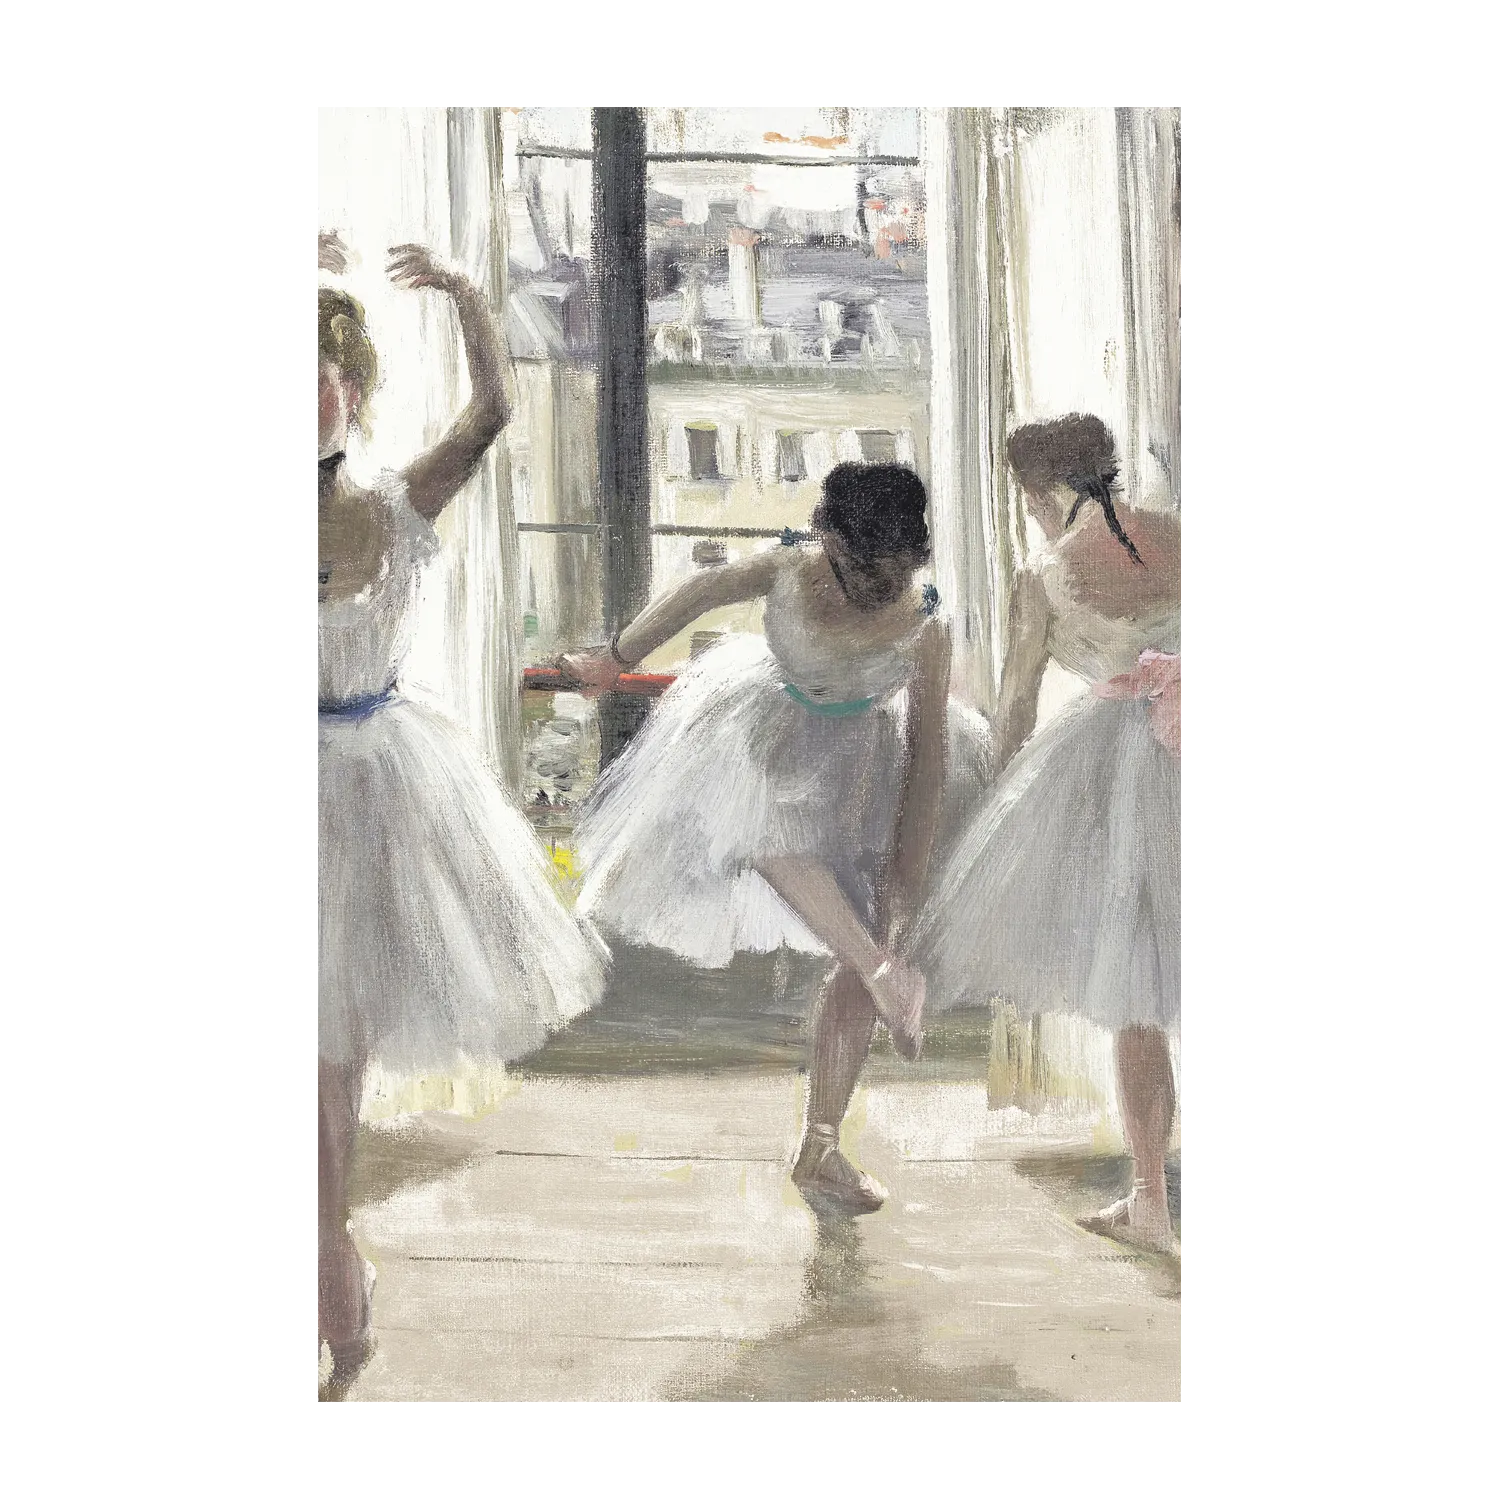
412	266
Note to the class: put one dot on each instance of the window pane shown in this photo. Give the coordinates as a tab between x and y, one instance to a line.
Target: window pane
561	765
703	452
792	459
877	447
562	585
786	266
672	562
814	132
556	127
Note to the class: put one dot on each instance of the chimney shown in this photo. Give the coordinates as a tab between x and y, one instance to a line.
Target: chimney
744	282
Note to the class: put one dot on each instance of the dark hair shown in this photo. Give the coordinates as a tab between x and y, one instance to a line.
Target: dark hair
1077	451
879	510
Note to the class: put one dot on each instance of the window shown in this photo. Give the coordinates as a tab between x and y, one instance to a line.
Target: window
703	450
752	219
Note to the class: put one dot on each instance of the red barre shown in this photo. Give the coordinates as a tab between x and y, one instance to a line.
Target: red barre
642	684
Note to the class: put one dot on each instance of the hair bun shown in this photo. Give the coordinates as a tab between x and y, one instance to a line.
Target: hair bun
880	510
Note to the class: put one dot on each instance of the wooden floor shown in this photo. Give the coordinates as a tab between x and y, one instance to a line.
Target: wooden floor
612	1237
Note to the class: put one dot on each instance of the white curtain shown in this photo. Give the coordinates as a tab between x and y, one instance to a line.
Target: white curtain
1150	224
430	176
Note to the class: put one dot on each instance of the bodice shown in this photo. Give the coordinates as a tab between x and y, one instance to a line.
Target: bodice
1096	646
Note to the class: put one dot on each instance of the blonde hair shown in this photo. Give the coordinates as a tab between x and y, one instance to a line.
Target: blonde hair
344	343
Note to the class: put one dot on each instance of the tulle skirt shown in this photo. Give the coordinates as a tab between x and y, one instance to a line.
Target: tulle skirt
730	769
1064	893
443	937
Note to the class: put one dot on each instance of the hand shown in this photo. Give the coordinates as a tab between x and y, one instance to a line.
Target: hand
413	266
333	254
595	671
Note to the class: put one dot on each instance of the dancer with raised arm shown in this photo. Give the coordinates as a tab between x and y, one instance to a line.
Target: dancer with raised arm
442	936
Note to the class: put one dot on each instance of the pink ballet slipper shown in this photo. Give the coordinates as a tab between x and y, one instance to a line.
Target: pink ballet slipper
1157	678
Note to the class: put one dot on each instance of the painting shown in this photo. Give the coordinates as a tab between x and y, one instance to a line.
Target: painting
749	751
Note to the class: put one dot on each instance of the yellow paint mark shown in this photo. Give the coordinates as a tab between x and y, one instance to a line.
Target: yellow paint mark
948	1331
565	862
470	1091
434	1093
853	1126
744	1188
630	1141
679	1174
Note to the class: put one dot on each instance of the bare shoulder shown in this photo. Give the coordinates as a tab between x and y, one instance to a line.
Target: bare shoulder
744	578
771	563
934	642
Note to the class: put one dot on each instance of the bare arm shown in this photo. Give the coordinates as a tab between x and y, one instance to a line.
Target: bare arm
1025	664
433	478
926	765
673	612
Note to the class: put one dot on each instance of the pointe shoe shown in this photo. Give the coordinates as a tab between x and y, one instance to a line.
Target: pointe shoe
899	992
829	1181
1135	1220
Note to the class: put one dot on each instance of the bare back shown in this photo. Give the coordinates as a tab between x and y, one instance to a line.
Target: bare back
1103	576
352	541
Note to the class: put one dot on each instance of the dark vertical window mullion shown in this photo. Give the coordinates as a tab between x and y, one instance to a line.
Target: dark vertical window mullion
619	260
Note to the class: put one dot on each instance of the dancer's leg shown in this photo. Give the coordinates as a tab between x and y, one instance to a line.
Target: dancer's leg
842	1032
341	1291
1143	1064
812	891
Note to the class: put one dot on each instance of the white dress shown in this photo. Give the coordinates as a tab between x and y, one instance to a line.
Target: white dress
442	935
761	747
1064	893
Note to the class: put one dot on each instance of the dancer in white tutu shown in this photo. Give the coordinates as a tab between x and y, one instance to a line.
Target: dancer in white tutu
1063	893
441	935
789	790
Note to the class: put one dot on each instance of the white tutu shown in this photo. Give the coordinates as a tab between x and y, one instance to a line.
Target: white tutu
730	768
1064	893
442	932
443	937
